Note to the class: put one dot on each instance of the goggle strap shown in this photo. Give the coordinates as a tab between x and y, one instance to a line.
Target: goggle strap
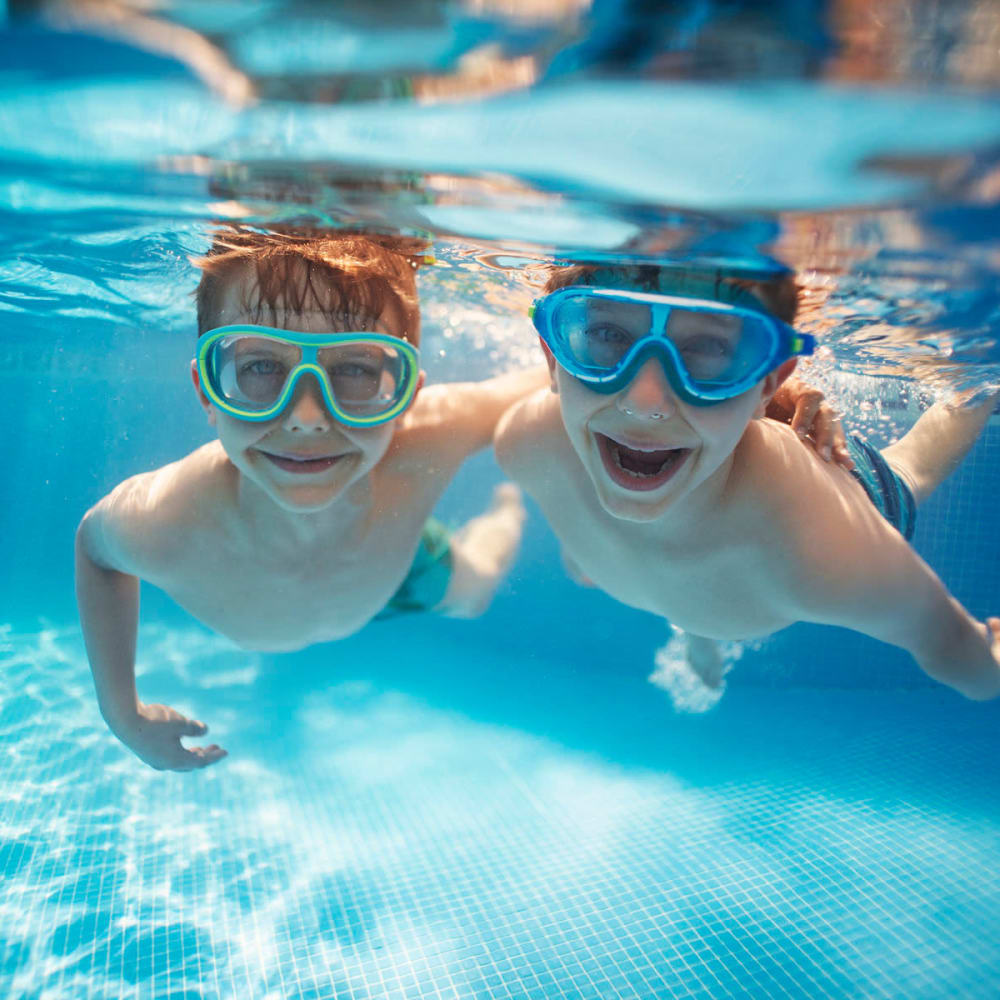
802	343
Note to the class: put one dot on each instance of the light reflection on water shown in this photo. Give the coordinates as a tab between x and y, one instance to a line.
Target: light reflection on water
370	836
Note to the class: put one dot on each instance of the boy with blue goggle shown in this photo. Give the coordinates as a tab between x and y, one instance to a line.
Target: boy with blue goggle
709	351
667	489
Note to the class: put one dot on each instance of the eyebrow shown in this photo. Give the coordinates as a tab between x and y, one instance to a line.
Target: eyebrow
726	324
628	308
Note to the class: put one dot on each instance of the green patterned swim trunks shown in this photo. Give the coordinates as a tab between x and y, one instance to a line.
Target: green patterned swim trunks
427	581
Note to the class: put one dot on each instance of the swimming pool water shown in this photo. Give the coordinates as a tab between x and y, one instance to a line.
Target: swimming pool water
459	809
510	807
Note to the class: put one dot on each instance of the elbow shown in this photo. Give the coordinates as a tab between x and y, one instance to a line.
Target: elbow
83	542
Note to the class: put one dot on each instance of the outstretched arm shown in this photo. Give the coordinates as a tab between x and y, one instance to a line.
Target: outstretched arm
108	600
870	580
953	647
471	410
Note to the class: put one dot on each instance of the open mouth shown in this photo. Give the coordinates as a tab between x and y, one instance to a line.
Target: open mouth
302	464
639	469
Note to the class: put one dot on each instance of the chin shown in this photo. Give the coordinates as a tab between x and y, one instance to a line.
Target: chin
309	498
307	494
641	508
307	502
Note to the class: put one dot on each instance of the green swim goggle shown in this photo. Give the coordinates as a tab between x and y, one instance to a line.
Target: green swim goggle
251	372
710	351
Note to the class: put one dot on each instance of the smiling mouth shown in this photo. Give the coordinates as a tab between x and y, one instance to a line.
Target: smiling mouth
302	464
639	469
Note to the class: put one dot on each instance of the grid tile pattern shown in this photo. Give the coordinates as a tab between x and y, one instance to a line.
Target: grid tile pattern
387	847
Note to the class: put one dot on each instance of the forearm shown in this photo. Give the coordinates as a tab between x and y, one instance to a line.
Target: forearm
503	392
108	602
509	388
959	654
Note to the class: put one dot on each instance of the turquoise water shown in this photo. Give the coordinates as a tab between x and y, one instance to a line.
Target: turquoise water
518	806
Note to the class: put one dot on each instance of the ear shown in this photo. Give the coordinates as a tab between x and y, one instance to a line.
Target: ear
771	383
206	403
550	360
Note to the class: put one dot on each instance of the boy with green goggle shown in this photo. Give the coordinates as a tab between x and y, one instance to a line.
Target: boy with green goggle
648	456
310	514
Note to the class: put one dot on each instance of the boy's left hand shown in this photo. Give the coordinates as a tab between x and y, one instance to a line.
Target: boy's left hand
803	406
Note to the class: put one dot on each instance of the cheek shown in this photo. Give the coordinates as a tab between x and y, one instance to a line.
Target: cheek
577	402
374	443
724	422
238	434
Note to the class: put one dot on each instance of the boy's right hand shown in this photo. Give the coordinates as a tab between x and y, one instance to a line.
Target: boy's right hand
154	735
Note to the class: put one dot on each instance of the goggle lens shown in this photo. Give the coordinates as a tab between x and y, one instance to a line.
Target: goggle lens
714	348
366	379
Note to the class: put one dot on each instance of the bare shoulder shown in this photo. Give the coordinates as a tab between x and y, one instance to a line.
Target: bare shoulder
530	436
531	443
143	525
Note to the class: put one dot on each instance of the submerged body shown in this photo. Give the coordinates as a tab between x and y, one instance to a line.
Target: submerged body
270	579
728	561
721	522
303	520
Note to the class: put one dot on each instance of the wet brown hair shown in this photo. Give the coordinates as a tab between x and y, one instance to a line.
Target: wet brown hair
350	277
780	294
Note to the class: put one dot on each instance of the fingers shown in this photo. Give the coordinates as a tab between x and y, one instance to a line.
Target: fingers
179	724
816	419
841	452
157	740
183	758
198	757
190	727
806	407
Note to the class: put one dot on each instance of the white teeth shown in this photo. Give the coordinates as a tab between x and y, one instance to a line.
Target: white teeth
616	454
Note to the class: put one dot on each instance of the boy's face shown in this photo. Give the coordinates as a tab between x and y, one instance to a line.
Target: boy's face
303	458
643	447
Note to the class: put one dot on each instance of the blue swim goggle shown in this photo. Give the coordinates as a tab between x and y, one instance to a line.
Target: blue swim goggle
250	372
710	351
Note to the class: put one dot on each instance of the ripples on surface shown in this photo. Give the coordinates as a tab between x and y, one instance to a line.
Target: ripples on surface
653	140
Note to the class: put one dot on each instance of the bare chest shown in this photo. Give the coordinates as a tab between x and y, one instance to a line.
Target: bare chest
325	590
722	590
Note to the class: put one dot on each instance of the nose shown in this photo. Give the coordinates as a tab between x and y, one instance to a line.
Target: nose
306	411
648	396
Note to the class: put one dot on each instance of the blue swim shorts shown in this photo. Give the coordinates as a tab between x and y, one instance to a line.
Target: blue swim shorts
890	494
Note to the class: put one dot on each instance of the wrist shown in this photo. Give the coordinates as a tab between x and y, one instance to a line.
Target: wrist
120	715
